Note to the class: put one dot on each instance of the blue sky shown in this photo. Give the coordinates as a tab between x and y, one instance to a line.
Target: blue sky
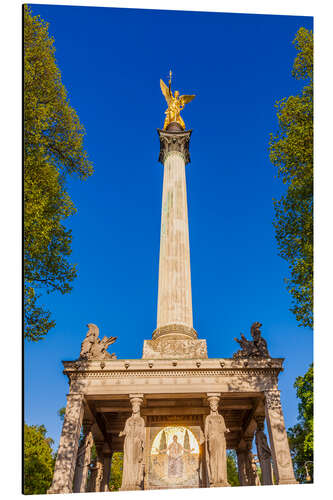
238	65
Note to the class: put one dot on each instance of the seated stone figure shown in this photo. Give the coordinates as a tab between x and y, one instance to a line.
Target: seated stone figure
256	348
94	348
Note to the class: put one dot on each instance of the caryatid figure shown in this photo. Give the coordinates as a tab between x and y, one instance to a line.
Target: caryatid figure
134	432
216	449
264	453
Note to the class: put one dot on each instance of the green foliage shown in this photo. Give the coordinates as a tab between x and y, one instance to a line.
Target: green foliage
38	460
232	471
301	435
53	149
291	151
61	413
116	471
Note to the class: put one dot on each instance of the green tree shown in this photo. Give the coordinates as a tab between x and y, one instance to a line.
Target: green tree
291	151
301	435
38	460
53	149
116	471
232	470
61	413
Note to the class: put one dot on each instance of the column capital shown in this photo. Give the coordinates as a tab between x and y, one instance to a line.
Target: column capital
213	400
272	399
173	143
87	424
135	396
248	441
213	395
136	402
260	421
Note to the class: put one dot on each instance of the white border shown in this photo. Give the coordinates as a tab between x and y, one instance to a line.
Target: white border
11	239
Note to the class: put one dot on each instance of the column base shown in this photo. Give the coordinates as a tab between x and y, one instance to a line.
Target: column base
58	491
287	481
219	485
130	488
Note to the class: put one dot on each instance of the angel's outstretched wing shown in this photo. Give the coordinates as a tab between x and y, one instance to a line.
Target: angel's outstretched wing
185	99
165	91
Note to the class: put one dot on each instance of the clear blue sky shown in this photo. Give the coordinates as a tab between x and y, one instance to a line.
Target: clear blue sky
238	66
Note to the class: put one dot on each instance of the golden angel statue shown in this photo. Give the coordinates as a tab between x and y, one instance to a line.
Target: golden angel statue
176	104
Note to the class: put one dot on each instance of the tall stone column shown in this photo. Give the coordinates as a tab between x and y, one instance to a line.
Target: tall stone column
174	310
241	465
250	467
69	440
83	458
99	466
107	461
282	463
264	452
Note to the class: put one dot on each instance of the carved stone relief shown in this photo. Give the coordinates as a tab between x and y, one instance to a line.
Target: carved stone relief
164	348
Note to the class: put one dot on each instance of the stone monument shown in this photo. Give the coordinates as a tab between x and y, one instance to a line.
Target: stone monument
174	412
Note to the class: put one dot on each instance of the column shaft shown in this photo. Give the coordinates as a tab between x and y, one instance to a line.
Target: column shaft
82	462
174	288
282	463
99	466
67	452
241	465
263	451
107	472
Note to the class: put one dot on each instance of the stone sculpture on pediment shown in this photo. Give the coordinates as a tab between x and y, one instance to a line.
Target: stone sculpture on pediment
256	348
93	348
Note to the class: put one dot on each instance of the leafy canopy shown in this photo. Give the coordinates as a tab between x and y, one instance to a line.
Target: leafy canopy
53	149
232	471
116	471
38	460
301	435
291	151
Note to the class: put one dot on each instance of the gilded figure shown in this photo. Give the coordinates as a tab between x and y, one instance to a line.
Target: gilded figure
176	104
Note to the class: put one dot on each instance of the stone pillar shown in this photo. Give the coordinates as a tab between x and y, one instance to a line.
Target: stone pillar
83	458
251	473
107	459
264	452
241	465
282	463
174	310
91	486
99	466
69	440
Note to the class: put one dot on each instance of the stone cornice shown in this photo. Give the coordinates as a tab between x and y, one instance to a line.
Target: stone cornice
174	365
242	373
